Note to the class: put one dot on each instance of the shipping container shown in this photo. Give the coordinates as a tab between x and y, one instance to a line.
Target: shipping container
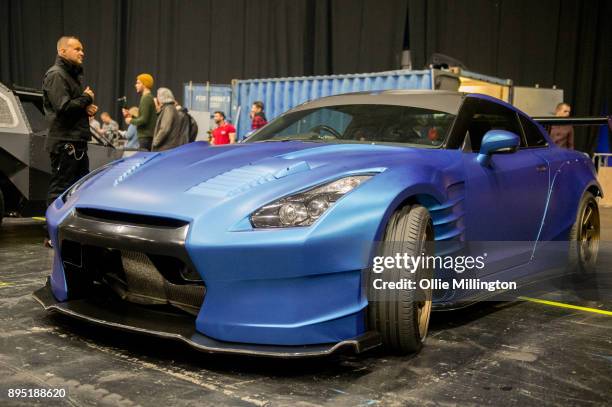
205	97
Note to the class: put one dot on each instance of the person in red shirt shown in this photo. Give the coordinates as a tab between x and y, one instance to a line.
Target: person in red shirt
258	117
225	133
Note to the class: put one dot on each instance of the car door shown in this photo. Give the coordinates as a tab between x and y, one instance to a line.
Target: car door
505	200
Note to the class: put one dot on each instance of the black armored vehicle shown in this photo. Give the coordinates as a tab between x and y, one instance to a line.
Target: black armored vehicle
24	163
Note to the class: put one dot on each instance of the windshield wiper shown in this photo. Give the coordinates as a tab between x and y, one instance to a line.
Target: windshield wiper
293	139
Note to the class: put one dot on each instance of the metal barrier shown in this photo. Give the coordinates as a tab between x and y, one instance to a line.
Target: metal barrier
602	160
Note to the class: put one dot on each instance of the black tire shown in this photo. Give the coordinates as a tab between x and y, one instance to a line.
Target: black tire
402	316
584	237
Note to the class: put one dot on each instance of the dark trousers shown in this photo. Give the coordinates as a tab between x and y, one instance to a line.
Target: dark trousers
69	163
145	144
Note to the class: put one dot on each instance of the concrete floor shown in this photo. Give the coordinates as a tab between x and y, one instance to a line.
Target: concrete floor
519	353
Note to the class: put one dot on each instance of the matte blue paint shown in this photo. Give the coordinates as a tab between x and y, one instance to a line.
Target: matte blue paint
304	285
54	217
292	169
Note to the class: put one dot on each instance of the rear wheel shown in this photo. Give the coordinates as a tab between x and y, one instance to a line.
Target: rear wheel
584	236
401	316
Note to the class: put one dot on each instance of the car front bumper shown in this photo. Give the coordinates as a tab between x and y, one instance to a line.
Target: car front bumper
132	317
249	297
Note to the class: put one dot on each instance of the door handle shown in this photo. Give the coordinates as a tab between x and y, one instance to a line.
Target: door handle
541	168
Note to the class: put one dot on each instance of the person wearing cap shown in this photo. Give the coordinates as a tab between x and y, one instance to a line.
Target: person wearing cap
145	122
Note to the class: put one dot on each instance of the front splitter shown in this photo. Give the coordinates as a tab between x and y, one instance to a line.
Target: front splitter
134	318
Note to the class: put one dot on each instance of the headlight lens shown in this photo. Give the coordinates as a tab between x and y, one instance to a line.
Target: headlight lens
304	208
75	187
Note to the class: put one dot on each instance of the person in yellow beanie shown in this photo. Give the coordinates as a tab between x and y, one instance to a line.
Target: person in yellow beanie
146	80
145	122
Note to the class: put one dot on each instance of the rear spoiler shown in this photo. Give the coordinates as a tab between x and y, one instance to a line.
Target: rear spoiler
573	121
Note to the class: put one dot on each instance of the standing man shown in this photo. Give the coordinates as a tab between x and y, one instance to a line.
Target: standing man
68	106
258	117
189	127
563	136
225	133
110	128
94	127
167	132
145	122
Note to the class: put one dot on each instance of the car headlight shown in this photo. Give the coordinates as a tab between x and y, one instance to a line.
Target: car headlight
304	208
75	187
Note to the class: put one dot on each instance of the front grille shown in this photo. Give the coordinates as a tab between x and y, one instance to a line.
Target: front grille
141	259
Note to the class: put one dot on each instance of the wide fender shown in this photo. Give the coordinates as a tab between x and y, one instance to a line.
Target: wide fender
569	182
441	191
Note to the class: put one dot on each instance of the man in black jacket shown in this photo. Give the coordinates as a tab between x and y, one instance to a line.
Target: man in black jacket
189	127
68	106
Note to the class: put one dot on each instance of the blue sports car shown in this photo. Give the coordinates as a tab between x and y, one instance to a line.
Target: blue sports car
265	247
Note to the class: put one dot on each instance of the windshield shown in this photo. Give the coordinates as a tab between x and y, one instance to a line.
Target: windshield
360	123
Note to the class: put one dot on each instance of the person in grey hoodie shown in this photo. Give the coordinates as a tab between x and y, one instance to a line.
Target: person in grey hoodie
167	133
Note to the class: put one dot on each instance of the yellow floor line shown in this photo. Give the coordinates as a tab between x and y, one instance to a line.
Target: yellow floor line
570	306
40	218
2	284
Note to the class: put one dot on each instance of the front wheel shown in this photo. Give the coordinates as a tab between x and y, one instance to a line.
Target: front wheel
401	316
584	236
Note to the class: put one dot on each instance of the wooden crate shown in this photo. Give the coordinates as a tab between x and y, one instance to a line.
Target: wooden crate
604	176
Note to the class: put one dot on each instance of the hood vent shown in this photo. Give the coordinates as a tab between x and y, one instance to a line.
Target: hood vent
232	182
129	167
244	178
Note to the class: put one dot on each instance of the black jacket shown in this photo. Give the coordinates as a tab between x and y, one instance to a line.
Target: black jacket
167	132
65	104
189	127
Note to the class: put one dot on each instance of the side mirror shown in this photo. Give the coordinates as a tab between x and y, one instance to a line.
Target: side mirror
497	142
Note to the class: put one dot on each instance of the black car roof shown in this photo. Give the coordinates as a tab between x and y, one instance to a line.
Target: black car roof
440	100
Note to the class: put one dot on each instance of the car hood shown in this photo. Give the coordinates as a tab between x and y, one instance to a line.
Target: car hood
182	182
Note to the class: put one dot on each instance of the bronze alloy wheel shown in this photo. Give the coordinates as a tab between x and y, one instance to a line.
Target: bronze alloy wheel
401	316
584	237
588	235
